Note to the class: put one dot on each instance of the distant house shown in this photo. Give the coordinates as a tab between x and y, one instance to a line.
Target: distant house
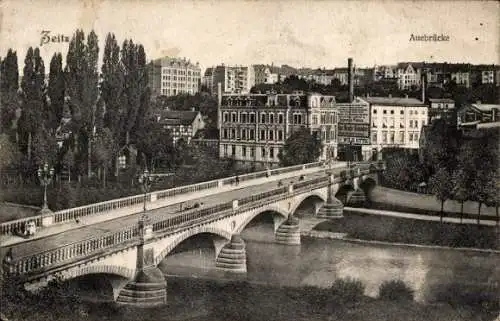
182	124
126	158
442	109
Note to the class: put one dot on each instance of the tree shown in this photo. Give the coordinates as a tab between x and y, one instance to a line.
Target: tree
156	144
9	84
9	155
300	148
56	91
441	186
33	87
45	148
105	148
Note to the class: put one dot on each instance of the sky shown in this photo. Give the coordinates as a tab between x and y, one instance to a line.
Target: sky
322	33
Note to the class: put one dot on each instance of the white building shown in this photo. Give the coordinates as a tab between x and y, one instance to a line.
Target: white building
173	76
396	122
408	76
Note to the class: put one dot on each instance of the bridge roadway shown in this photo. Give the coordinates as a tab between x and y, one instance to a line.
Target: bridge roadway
90	231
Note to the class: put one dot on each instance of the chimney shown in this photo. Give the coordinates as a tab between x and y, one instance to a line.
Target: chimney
350	79
423	88
219	103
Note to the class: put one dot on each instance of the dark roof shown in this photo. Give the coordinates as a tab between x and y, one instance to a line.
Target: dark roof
178	117
394	101
441	100
209	71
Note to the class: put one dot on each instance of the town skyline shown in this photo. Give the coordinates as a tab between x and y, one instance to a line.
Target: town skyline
266	32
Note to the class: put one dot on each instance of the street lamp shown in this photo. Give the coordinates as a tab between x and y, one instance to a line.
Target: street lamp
146	180
45	175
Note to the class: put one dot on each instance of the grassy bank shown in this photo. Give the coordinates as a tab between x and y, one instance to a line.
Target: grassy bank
203	300
402	230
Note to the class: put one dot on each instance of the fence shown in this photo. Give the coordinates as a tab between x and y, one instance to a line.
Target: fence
84	248
106	206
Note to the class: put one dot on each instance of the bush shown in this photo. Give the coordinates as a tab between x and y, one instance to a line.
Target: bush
395	290
347	290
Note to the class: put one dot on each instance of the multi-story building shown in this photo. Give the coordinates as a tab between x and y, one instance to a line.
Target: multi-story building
172	76
396	122
208	79
442	109
254	127
234	79
408	75
181	124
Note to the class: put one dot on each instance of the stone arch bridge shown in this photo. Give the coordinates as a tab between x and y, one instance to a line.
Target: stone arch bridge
129	256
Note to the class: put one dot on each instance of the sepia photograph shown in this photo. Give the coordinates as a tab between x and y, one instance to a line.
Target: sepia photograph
264	160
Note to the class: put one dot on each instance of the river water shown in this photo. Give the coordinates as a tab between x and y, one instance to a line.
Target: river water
429	272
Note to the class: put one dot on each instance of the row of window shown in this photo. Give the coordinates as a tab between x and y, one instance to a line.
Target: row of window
179	85
265	118
170	92
230	150
249	134
180	78
389	137
391	123
174	71
325	118
412	112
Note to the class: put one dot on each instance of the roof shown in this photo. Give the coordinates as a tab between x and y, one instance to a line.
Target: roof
395	101
178	117
441	100
208	71
486	107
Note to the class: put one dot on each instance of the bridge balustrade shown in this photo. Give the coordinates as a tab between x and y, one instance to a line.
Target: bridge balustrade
107	206
72	251
83	248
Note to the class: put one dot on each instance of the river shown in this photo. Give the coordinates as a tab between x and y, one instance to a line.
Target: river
319	262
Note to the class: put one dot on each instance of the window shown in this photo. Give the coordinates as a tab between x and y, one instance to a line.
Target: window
233	117
244	151
224	133
384	137
410	138
252	118
374	137
374	125
314	119
402	137
233	133
374	111
271	135
252	151
411	123
262	134
252	134
415	137
271	152
392	112
280	135
297	119
271	118
262	118
243	117
280	118
401	112
225	150
226	117
233	150
122	161
384	111
416	123
243	134
263	151
391	138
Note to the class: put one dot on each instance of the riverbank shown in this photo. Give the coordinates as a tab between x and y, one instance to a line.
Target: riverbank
362	226
203	300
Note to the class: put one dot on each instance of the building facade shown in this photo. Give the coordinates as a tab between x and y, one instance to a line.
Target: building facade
396	122
234	79
442	109
254	127
172	76
181	124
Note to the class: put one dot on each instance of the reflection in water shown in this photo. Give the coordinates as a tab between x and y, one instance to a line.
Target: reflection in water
319	262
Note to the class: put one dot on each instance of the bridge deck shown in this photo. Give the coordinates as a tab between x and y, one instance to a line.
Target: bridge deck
9	240
94	230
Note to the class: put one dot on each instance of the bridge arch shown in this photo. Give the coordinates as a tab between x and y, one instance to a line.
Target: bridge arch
187	234
99	269
283	214
302	198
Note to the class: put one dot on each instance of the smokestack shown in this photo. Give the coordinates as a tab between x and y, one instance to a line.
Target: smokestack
350	79
423	88
219	103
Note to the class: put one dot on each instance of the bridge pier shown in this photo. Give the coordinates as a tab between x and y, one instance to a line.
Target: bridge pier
332	208
358	198
289	232
232	257
149	286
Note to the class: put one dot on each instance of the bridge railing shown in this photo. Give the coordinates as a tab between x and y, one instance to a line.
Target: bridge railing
70	214
87	247
72	251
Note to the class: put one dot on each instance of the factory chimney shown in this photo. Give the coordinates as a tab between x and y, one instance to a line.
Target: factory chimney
219	103
350	79
423	87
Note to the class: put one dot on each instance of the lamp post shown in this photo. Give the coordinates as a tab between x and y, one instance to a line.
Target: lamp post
146	180
45	175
